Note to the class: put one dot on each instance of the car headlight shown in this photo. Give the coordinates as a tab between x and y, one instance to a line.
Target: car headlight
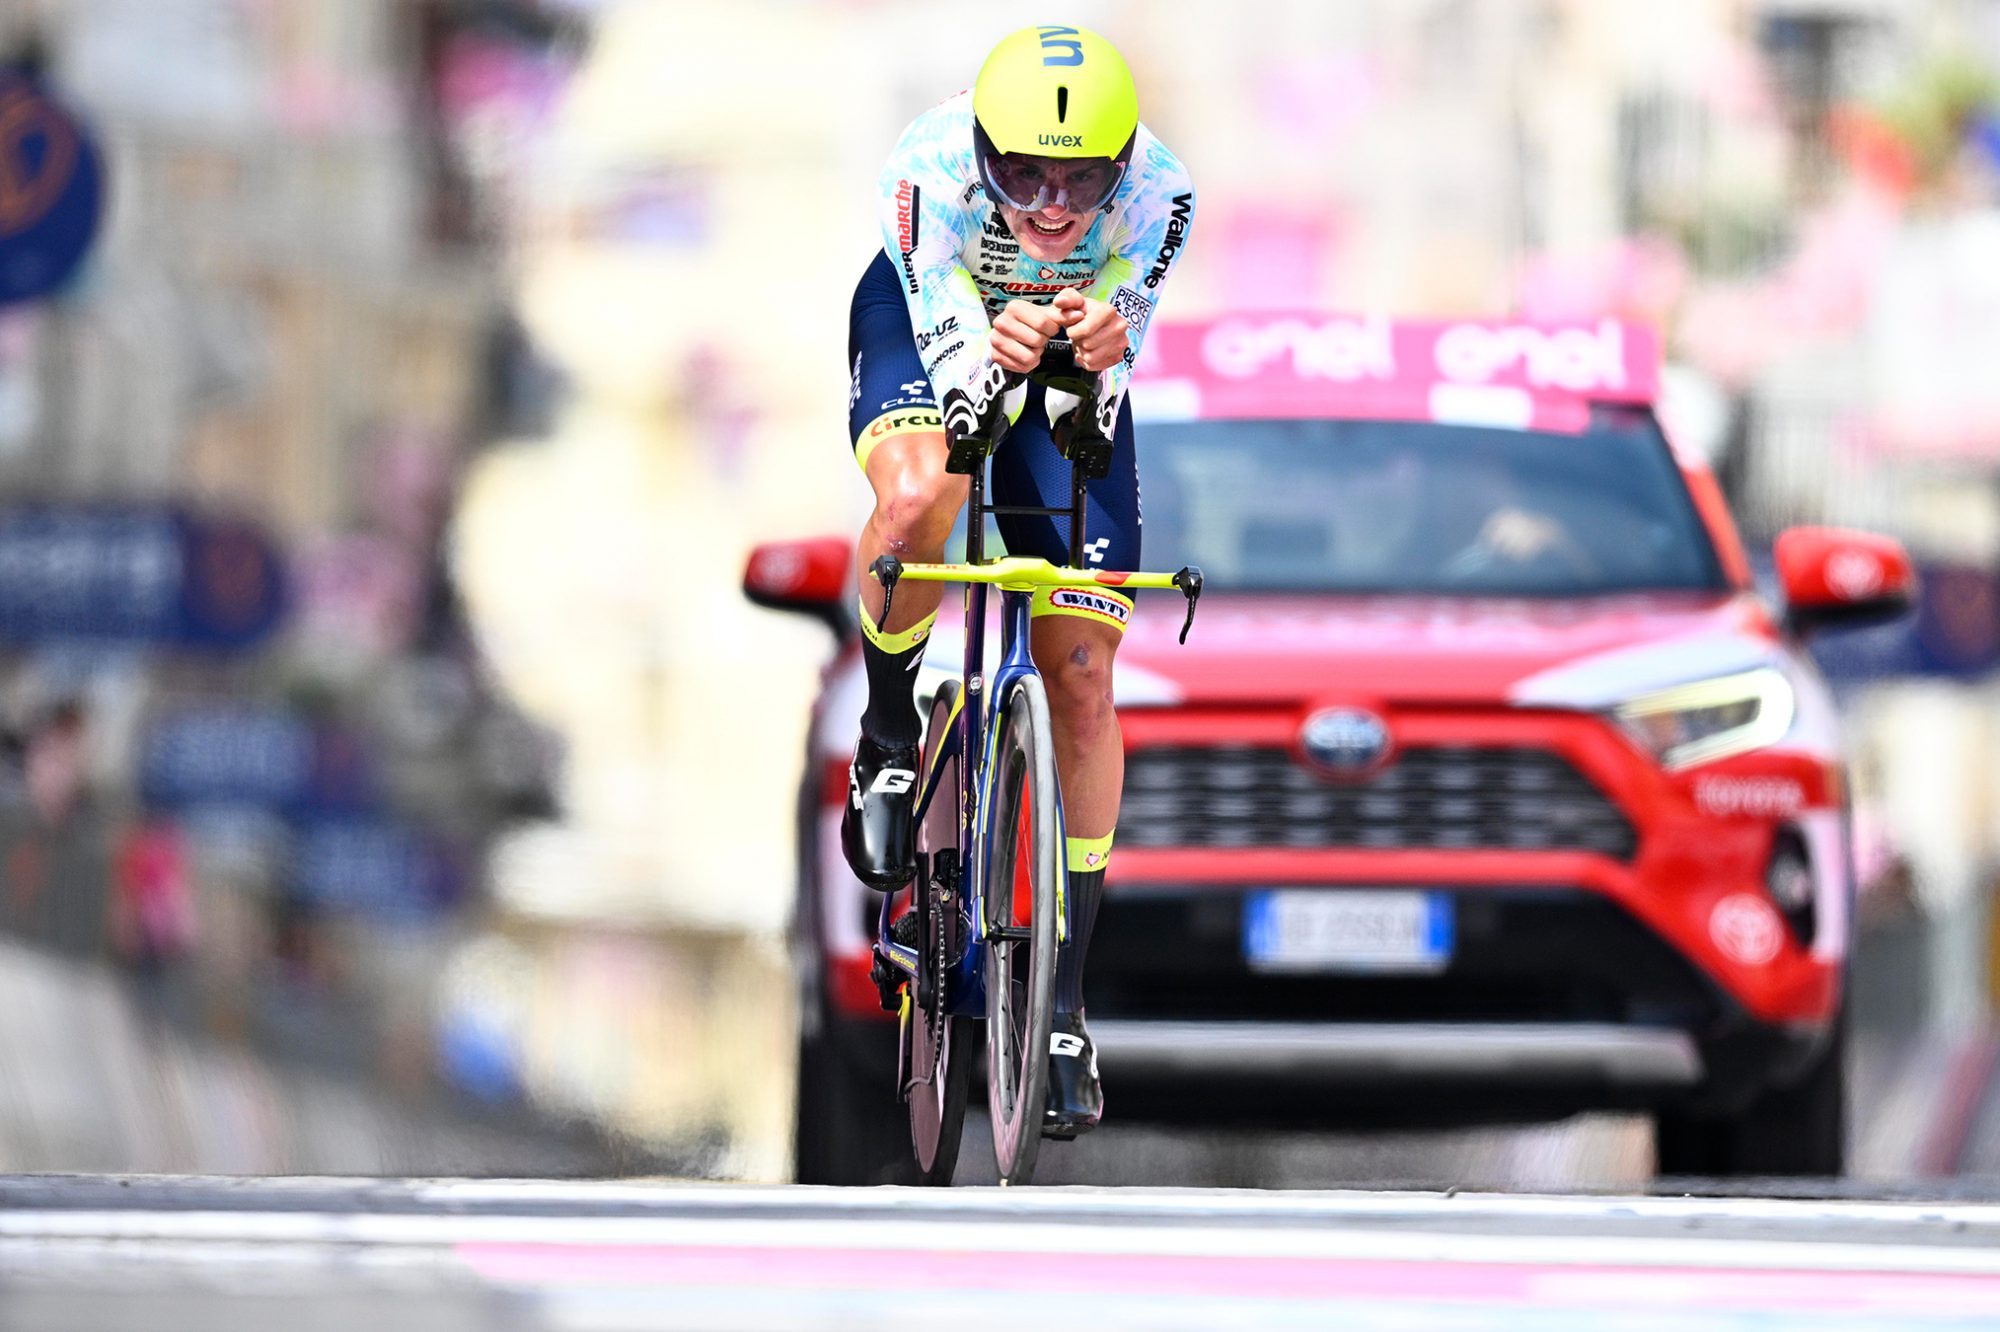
1710	719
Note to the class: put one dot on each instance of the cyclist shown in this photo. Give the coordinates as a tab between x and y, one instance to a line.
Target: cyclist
1030	224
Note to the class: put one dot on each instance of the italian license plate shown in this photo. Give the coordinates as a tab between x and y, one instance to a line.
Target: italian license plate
1343	929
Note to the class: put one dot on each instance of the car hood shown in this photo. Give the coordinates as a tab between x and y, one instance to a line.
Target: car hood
1581	652
1291	651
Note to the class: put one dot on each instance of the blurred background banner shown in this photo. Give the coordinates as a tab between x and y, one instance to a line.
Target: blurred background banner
51	190
391	390
1955	634
135	574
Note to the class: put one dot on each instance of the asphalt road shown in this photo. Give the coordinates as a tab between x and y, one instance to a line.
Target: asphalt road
299	1255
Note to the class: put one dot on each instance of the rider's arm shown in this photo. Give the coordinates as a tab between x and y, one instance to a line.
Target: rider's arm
1151	227
924	225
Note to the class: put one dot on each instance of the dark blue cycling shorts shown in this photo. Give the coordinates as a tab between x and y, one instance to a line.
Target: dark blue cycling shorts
890	395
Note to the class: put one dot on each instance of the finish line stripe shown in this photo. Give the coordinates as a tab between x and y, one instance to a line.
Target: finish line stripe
1160	1275
1083	1237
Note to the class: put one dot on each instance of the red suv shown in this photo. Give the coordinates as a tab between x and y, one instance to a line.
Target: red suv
1487	787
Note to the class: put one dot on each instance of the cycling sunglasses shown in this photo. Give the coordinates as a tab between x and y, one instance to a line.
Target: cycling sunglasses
1030	183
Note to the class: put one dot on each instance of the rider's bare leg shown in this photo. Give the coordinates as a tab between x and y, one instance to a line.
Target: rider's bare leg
916	502
1074	656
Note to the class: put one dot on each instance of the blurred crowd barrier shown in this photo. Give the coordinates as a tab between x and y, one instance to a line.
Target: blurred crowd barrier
92	1080
373	672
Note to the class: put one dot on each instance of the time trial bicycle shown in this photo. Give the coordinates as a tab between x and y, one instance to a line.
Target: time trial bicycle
972	941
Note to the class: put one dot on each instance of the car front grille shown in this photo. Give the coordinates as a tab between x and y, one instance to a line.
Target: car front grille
1439	798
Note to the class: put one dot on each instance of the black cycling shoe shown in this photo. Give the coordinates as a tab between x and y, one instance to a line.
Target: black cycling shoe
878	830
1076	1097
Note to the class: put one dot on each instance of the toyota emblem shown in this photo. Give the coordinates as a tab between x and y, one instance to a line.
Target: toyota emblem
1345	741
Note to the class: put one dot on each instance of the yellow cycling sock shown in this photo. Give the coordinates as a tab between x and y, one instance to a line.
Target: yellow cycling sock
1087	853
900	642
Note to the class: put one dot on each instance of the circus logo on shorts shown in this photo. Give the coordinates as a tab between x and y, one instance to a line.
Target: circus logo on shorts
904	423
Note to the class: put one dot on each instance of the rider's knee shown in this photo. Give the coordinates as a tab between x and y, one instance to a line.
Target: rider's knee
917	501
1077	634
1079	688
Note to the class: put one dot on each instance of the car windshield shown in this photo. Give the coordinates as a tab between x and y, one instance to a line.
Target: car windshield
1423	507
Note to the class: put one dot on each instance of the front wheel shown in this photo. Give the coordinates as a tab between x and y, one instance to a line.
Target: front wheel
1023	864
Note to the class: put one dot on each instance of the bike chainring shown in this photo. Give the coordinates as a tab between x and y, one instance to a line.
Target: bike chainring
939	892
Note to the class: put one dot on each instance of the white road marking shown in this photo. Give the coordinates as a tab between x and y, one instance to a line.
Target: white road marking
1355	1205
1082	1236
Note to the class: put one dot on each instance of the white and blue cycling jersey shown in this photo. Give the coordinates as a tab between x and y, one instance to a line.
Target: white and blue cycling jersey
923	312
960	265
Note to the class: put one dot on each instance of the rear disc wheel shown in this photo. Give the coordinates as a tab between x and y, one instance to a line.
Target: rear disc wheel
942	1047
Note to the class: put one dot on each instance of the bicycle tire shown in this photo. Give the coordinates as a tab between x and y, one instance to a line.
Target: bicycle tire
941	1067
1020	992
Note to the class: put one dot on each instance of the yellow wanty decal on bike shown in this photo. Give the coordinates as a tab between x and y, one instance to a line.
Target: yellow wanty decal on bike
900	641
1086	854
1091	603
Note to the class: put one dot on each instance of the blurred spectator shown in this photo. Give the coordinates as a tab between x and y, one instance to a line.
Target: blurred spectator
13	767
55	764
152	917
1889	988
1889	900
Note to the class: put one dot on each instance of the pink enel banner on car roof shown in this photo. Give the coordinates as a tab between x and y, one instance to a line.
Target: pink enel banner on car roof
1491	372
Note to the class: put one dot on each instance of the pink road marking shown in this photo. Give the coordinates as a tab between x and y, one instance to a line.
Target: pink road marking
1273	1278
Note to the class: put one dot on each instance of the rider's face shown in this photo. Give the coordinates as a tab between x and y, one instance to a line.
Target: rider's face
1046	234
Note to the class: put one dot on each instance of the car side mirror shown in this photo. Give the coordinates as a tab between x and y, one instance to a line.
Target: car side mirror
1835	576
810	577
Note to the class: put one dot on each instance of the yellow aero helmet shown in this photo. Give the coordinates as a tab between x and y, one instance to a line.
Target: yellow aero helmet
1054	92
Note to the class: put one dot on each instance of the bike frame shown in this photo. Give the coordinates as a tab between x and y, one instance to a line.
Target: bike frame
974	725
974	732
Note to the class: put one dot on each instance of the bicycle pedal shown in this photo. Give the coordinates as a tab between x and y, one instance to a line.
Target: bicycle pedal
888	980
